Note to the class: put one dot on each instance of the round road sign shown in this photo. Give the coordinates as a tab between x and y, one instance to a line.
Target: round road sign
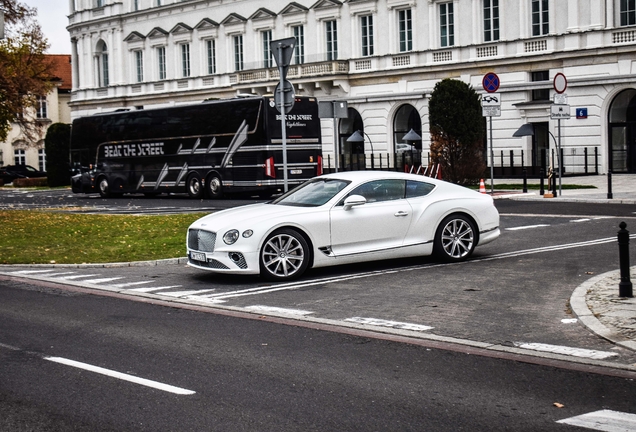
490	82
560	83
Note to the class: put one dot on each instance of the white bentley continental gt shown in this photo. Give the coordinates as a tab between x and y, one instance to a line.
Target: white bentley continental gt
343	218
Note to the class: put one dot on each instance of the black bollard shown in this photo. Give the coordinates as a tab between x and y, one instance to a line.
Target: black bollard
625	285
541	190
525	181
610	195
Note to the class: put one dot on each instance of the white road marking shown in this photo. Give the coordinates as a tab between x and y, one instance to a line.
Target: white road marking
604	420
270	309
32	271
102	280
580	220
185	293
575	352
121	376
60	274
79	276
569	320
527	227
159	288
386	323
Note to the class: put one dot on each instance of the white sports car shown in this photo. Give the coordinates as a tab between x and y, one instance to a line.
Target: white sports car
343	218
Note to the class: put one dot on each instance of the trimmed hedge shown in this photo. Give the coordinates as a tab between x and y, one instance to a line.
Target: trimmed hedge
29	182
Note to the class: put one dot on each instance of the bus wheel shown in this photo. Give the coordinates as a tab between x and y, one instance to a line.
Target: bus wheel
194	186
104	187
214	187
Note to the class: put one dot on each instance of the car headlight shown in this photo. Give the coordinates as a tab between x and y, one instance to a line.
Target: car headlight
231	236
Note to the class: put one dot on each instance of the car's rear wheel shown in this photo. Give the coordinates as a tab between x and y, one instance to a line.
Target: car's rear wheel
284	255
194	186
455	239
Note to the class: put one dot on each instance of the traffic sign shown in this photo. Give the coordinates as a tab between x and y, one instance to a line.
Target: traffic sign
490	82
282	50
284	99
560	83
491	111
491	99
561	99
559	112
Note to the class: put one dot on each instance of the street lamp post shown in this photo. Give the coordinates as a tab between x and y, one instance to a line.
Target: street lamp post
357	137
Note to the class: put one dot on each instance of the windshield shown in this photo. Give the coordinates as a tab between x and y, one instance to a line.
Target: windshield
313	193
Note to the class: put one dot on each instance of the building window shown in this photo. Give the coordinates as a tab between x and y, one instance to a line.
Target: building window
540	24
161	60
366	26
42	159
491	20
331	31
266	38
139	66
406	30
628	12
299	53
158	2
185	60
210	45
99	3
136	5
544	93
446	25
102	64
19	157
238	52
41	108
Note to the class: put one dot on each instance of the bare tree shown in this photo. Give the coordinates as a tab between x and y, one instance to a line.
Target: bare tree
25	73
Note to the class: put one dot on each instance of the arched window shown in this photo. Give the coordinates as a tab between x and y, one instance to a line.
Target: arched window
101	55
348	126
622	132
407	118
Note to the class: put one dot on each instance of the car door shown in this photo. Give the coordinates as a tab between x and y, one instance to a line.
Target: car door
379	224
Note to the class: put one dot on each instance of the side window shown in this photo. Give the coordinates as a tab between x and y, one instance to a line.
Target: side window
381	190
416	189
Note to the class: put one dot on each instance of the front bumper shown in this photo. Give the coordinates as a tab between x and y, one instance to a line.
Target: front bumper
225	261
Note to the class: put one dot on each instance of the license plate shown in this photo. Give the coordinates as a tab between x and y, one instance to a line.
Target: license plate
198	256
296	171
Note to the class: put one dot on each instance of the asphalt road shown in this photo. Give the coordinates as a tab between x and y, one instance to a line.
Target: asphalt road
218	372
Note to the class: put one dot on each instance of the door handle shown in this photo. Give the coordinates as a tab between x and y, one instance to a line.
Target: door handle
401	214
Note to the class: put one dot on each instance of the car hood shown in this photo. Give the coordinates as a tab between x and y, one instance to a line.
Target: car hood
247	217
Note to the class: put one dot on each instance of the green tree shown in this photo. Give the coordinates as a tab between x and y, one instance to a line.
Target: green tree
457	130
57	147
25	72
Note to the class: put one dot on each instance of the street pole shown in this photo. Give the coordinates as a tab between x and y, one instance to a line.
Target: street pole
559	154
283	119
336	143
492	162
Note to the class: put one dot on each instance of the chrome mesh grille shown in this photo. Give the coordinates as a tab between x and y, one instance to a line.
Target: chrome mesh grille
201	240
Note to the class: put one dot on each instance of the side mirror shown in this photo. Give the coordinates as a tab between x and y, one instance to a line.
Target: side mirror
354	200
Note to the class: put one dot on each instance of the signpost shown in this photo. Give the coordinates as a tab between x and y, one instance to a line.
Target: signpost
284	93
560	110
491	107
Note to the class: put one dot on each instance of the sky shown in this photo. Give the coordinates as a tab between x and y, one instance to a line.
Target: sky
52	16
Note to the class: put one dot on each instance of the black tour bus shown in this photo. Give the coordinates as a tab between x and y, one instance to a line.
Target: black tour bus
209	148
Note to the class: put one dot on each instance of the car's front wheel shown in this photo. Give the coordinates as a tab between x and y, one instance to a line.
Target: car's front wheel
455	239
284	255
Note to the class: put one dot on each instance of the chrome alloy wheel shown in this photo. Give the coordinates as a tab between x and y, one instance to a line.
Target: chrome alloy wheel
285	255
457	238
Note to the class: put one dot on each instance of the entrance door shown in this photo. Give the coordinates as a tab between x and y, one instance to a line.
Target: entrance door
622	133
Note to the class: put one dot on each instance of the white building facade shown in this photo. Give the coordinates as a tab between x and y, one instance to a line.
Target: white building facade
383	57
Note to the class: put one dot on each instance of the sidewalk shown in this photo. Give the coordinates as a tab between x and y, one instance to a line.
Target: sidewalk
623	189
596	302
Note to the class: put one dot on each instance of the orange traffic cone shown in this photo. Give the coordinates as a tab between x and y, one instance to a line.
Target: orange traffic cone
482	186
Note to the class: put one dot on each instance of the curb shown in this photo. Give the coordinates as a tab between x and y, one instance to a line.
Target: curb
587	318
152	263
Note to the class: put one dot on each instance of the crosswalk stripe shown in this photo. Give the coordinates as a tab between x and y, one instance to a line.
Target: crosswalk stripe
575	352
604	420
102	280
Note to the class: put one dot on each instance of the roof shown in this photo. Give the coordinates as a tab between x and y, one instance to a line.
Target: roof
61	70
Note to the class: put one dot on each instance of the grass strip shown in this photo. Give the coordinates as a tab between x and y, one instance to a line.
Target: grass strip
45	237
